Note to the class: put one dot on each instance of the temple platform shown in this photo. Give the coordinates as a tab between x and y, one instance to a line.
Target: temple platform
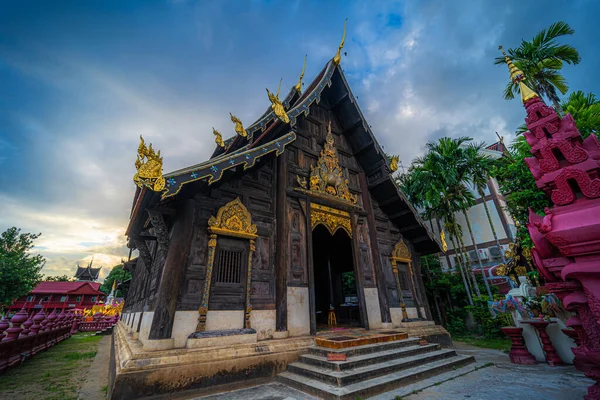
139	372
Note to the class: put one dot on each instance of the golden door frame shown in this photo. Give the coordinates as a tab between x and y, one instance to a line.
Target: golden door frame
233	219
402	254
331	218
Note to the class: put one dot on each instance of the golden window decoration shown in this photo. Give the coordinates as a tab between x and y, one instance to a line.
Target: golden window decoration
233	219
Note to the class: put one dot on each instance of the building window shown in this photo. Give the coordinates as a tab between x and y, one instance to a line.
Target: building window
30	298
94	298
78	298
47	298
63	298
229	266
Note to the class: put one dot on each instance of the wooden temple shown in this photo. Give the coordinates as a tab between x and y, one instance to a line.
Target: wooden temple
295	218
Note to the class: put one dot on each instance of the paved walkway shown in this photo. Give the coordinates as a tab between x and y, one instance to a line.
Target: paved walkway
94	385
481	381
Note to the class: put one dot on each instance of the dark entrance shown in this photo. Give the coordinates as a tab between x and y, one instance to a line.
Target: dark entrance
335	283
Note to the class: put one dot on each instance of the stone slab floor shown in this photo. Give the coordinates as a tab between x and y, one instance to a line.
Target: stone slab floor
479	381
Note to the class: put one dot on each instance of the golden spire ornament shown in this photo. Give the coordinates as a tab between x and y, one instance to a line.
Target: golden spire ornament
149	168
239	128
338	56
298	86
517	76
218	138
277	106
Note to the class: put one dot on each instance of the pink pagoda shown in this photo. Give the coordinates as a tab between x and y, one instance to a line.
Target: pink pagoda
567	239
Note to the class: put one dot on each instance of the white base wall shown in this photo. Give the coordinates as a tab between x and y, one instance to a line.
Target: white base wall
184	324
145	327
373	309
263	321
219	320
298	311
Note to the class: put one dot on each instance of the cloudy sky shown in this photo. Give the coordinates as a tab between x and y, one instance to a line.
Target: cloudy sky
81	80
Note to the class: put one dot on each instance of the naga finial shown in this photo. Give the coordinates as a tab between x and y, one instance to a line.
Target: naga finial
394	163
338	56
218	138
239	128
298	86
149	168
277	106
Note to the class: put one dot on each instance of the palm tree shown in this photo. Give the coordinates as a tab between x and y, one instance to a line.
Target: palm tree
541	60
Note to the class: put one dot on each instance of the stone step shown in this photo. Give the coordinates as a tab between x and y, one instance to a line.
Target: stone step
366	359
368	348
373	386
343	378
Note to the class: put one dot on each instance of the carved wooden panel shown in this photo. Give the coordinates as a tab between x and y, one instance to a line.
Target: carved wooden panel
262	292
297	245
365	261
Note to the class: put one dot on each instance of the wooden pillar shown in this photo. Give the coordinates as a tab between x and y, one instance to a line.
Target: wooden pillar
281	248
173	273
381	284
360	280
421	286
311	271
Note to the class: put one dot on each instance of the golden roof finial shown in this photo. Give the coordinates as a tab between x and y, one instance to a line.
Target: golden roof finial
114	286
338	56
517	76
277	106
149	168
298	86
394	163
218	138
239	128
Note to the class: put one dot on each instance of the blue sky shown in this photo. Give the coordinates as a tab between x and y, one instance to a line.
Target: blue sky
81	80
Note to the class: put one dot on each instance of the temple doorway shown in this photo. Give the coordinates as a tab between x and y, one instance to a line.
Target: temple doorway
335	281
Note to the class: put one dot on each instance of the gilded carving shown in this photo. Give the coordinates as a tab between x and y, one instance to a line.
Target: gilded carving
443	239
298	86
233	219
394	163
326	179
239	128
218	138
338	56
401	252
149	168
331	218
277	106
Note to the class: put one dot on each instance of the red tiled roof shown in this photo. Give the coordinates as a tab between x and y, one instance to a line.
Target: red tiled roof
68	287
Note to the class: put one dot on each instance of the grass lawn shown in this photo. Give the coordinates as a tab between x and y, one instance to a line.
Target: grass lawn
497	344
54	374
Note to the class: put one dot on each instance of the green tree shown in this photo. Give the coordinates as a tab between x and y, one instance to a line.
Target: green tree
118	274
438	183
63	278
19	270
541	60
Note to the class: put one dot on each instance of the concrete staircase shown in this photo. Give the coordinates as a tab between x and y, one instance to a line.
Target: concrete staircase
369	369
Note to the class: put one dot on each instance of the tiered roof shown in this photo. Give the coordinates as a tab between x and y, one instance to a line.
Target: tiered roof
270	135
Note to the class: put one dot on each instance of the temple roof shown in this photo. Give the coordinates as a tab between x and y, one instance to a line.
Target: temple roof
68	288
87	273
270	135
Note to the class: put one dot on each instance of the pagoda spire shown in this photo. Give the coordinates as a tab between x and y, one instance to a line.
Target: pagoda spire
517	76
